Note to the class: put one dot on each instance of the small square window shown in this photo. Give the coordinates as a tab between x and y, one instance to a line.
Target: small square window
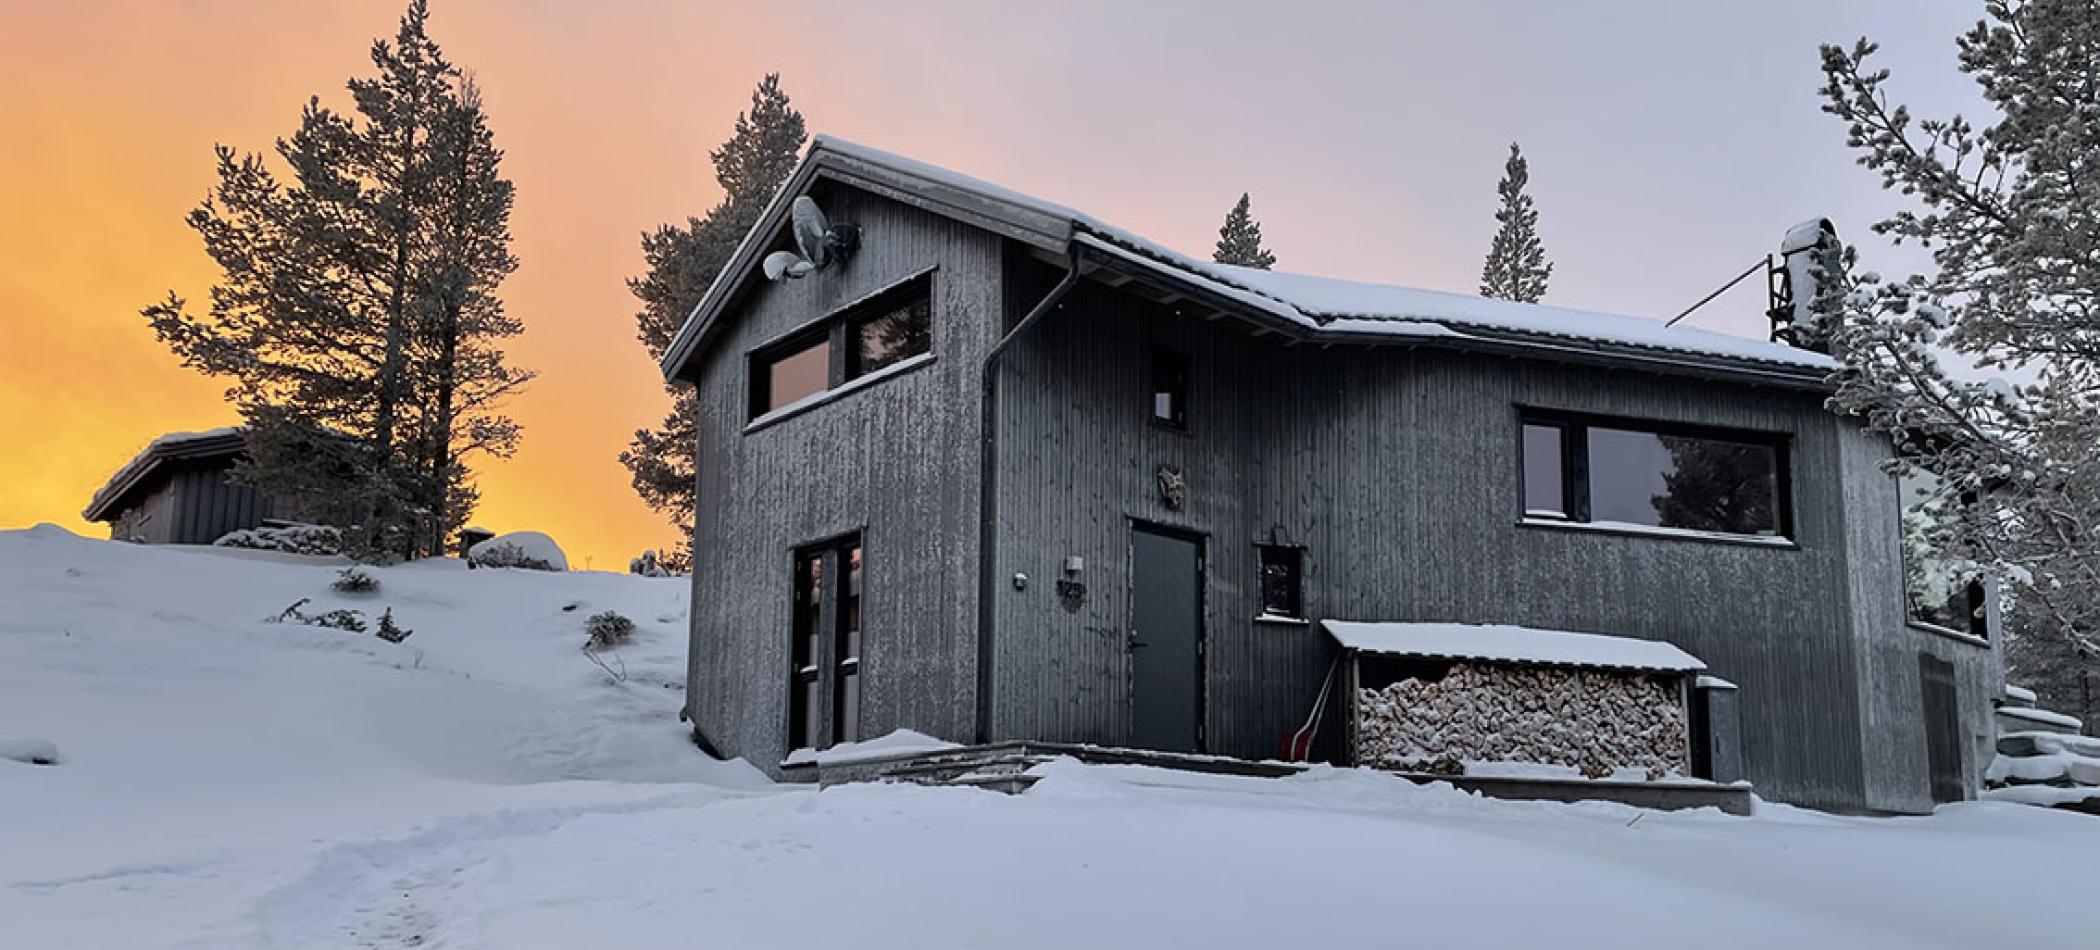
891	336
1170	388
1282	581
789	375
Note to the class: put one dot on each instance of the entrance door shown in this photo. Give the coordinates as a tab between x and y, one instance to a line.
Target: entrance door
1166	638
1942	729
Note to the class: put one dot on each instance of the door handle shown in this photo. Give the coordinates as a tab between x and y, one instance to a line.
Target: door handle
1135	643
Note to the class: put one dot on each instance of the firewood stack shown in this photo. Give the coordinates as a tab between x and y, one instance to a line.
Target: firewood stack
1596	722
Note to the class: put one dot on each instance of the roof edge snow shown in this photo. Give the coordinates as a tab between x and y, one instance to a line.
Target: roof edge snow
1496	643
1303	307
210	443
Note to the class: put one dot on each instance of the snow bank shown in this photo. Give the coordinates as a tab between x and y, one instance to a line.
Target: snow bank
528	549
900	742
29	751
234	784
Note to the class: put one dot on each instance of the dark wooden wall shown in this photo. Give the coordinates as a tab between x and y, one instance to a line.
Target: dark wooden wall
896	461
1398	470
191	503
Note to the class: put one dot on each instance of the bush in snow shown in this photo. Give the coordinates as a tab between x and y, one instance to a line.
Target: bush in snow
526	549
607	630
647	565
354	580
296	539
350	620
29	751
388	630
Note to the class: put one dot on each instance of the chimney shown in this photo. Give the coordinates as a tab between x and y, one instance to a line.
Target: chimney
1808	256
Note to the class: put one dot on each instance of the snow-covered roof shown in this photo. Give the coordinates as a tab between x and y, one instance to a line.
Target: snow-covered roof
1321	309
106	504
1506	644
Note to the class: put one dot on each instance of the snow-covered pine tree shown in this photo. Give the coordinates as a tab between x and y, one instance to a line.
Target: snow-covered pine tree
1516	267
330	313
682	262
2014	231
1239	239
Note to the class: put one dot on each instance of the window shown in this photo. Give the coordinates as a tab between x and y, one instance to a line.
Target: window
1170	388
1938	592
795	374
890	337
824	670
868	338
1282	581
1654	475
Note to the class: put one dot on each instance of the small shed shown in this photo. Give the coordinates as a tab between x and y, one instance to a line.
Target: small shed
177	491
1448	698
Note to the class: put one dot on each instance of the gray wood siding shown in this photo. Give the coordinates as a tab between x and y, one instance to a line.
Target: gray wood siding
191	504
1398	470
896	461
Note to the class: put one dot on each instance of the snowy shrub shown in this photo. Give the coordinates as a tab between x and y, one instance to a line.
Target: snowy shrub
388	630
647	566
29	751
607	630
350	620
354	580
297	539
523	549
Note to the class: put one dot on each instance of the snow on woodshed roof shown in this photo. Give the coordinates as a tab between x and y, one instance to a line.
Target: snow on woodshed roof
1506	644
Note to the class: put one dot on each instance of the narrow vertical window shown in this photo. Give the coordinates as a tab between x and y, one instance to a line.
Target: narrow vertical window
1282	581
1170	388
1545	471
845	709
805	686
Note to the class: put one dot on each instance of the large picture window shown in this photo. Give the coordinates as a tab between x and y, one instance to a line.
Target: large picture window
865	339
824	669
1654	475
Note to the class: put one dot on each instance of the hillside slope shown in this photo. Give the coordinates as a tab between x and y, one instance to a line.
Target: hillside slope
227	782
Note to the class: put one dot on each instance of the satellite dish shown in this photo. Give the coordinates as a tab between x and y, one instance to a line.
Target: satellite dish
812	232
778	264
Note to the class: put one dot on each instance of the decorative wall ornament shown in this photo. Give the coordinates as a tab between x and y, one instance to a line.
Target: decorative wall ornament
1173	487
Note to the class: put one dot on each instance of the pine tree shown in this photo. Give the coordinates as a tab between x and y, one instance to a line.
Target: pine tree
355	314
1516	267
1239	240
2014	232
682	262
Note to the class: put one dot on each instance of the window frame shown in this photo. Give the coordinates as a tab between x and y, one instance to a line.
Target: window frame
820	685
1298	614
1576	495
838	330
1155	353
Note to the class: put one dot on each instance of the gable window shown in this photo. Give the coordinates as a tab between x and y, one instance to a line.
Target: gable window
890	336
878	334
794	374
1282	581
1170	388
824	671
1654	475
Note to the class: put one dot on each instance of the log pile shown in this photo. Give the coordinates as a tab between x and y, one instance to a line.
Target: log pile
1597	722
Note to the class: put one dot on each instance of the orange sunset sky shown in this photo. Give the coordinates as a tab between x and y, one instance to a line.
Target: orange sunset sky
1670	146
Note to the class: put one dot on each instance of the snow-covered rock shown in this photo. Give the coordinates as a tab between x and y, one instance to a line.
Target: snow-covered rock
527	549
29	751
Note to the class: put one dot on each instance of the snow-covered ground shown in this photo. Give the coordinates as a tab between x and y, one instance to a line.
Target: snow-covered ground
224	782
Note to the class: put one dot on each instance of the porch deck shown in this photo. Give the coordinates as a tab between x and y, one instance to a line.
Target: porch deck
1005	766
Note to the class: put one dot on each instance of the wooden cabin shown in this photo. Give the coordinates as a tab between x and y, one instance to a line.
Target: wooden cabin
999	470
177	490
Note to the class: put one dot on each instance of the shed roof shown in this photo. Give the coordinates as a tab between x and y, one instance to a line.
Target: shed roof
115	494
1305	307
1506	644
